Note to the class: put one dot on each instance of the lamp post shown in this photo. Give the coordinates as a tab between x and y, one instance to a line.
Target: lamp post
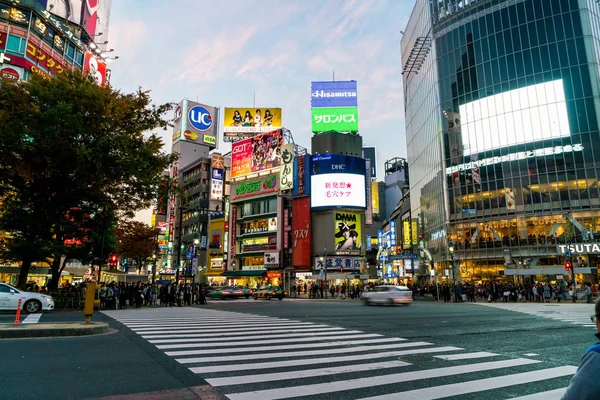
153	267
451	251
324	266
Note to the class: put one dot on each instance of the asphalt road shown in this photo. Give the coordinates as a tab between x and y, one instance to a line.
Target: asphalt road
125	363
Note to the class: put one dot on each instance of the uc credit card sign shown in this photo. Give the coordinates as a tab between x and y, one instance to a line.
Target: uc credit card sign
333	94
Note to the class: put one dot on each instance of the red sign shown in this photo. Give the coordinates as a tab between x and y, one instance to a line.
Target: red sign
233	231
301	232
273	274
89	16
2	40
259	153
43	59
9	74
286	229
162	225
96	67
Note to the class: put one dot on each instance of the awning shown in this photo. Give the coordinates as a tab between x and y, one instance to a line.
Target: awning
254	272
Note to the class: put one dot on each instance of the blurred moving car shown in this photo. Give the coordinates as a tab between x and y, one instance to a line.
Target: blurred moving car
241	291
269	292
388	294
32	302
222	292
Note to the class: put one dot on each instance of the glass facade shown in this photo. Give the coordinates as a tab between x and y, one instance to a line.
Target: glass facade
518	104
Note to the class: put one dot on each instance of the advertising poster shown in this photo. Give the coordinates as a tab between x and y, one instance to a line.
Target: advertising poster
333	94
286	174
375	197
415	233
406	233
301	241
96	67
347	231
338	181
195	122
240	123
255	187
95	15
256	154
217	177
339	119
233	235
66	9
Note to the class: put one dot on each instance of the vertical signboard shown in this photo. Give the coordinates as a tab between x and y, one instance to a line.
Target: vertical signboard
393	232
217	177
286	173
368	153
415	233
301	232
375	197
406	233
233	230
286	229
302	174
368	211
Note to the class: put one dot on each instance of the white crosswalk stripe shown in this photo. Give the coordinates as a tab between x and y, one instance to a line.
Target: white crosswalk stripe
259	357
576	314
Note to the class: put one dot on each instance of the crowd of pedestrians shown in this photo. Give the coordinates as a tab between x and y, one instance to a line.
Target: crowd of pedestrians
135	295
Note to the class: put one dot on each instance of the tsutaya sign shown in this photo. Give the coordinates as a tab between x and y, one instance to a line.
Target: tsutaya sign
521	155
579	248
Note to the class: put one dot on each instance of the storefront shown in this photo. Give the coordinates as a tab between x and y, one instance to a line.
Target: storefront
250	278
37	275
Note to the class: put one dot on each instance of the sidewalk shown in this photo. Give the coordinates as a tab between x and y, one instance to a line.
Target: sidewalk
12	331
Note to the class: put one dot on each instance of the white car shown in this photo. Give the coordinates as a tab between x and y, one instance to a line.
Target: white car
31	302
388	294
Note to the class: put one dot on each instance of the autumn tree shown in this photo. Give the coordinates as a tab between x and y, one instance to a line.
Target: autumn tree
71	152
136	241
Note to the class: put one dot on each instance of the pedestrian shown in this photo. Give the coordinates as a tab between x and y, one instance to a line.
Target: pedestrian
584	384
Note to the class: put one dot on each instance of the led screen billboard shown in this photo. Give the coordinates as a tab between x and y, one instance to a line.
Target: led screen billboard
333	94
337	181
525	115
240	123
256	154
347	231
338	119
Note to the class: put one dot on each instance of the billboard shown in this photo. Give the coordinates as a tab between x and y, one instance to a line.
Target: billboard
96	67
338	181
406	233
375	197
286	173
339	119
333	94
368	153
302	174
217	177
256	154
196	123
525	115
95	15
260	186
301	239
216	235
347	231
242	123
66	9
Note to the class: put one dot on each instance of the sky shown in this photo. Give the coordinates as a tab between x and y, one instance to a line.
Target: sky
223	53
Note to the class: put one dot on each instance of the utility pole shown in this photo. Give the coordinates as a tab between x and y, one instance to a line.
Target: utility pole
179	242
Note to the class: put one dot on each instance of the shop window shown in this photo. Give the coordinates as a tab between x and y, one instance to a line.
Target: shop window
79	58
70	52
16	44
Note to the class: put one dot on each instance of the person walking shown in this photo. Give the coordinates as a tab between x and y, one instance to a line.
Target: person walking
584	385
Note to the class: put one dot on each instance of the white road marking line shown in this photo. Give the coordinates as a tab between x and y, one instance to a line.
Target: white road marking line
206	327
249	379
361	383
455	389
220	329
300	353
555	394
221	332
311	361
205	322
270	348
299	337
531	354
467	356
32	318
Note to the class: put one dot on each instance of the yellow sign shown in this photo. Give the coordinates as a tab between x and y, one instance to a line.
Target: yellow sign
406	233
375	197
215	243
209	139
347	231
247	122
415	233
177	134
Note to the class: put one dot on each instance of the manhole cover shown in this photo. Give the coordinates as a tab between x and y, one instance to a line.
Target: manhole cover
416	358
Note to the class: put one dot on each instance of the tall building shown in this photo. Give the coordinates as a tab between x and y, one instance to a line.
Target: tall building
501	104
396	183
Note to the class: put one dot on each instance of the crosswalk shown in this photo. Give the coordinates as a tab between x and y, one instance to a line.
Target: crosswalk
575	314
249	356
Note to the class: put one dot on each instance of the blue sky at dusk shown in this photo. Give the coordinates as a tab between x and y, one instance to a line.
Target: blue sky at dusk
220	53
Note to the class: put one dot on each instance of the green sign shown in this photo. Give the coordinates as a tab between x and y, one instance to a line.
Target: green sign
340	119
255	186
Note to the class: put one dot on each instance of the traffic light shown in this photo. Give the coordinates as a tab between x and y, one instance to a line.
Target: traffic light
113	261
568	266
341	270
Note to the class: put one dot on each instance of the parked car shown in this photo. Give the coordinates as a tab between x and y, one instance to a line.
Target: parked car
222	292
269	292
31	302
388	294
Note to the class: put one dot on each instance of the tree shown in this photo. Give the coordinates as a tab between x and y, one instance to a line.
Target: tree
136	240
66	145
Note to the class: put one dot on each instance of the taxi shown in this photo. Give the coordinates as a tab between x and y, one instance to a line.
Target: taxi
268	292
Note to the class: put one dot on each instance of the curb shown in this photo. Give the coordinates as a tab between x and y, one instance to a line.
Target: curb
52	330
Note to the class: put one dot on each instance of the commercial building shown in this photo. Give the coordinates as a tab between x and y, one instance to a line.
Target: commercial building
501	104
38	38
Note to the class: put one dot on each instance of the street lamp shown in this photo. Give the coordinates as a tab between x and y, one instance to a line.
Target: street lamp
153	267
451	251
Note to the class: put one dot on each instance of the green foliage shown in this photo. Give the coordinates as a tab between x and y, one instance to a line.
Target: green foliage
135	240
71	150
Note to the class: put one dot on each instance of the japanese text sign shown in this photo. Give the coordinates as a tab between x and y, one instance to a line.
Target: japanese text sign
286	174
406	233
339	119
43	59
256	154
301	232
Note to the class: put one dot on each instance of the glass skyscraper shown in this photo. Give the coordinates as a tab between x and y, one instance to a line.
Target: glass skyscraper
502	103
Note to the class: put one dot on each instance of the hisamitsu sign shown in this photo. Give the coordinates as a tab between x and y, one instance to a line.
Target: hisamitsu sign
333	94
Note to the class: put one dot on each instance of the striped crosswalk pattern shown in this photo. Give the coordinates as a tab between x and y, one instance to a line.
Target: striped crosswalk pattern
249	356
576	314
